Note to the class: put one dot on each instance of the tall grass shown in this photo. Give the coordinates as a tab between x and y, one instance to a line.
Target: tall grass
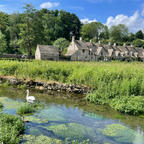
111	83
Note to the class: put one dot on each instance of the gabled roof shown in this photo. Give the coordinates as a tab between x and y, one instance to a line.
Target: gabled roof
47	49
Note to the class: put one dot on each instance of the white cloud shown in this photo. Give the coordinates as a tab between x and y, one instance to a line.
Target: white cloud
134	22
86	21
3	8
49	5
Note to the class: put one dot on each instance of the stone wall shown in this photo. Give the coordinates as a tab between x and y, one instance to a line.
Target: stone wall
46	85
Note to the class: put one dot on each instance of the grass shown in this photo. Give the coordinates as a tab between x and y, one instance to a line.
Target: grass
29	108
26	109
11	129
118	84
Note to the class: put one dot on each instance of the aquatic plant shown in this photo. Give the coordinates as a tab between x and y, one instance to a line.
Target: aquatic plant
29	139
121	133
26	109
11	127
72	131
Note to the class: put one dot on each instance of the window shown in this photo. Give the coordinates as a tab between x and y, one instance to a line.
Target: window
83	50
89	52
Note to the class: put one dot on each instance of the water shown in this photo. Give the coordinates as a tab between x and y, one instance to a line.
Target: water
68	117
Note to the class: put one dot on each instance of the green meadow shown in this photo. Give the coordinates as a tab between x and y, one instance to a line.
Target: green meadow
117	84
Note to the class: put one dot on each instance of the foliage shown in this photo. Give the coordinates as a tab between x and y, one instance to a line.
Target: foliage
29	108
118	33
94	30
139	35
11	127
138	43
3	44
26	109
120	85
61	44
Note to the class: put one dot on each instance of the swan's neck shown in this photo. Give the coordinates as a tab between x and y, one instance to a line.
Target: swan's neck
27	94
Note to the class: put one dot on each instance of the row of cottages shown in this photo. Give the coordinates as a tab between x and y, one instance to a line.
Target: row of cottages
88	51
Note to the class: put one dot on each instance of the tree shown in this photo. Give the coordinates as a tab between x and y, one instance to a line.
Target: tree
27	37
61	44
138	43
3	44
118	33
94	30
14	20
139	35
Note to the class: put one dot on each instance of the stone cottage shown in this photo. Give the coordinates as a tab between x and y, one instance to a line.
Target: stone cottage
80	51
46	52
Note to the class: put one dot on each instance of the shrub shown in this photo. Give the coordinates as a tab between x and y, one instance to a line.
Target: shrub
11	127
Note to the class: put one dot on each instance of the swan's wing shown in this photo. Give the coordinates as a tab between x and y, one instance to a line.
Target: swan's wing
32	98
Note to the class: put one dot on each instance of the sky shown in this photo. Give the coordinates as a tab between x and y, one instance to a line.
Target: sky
108	12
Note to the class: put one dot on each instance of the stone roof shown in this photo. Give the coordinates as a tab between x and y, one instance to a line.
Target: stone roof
47	49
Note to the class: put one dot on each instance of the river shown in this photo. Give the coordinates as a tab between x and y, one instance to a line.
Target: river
69	117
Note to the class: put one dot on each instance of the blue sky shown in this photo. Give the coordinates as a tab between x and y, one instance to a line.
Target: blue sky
109	12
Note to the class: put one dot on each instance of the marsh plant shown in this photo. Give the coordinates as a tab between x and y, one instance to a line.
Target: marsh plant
118	84
29	108
11	128
26	109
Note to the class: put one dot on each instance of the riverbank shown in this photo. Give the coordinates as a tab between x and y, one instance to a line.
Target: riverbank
120	85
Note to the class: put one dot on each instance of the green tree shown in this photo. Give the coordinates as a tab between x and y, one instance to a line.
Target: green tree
27	37
61	44
3	44
139	35
138	43
94	30
118	33
14	20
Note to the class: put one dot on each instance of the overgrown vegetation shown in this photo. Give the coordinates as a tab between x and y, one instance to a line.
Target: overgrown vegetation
120	85
29	108
26	109
11	127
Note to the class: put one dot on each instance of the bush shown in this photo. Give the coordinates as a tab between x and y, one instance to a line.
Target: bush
11	127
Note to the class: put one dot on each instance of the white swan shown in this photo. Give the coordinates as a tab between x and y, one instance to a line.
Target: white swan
29	99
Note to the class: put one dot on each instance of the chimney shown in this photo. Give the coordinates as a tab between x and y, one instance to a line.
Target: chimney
109	43
73	38
131	45
80	39
114	44
99	42
90	41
